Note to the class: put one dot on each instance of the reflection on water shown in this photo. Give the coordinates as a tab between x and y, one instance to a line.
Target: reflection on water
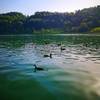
72	73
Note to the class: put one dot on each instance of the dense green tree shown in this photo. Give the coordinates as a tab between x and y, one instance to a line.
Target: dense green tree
81	21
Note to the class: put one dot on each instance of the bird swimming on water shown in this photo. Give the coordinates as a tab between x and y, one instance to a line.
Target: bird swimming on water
37	68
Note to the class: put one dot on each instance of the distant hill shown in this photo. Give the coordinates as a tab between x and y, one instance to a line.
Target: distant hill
85	20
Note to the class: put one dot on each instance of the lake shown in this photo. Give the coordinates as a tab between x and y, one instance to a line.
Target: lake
72	73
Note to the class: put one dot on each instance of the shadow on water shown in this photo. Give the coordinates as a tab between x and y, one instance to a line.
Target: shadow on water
71	73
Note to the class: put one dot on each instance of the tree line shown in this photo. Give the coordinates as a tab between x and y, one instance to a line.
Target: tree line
85	20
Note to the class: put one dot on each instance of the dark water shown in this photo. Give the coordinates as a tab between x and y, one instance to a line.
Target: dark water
71	74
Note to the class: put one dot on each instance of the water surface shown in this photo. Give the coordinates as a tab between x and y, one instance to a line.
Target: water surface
71	74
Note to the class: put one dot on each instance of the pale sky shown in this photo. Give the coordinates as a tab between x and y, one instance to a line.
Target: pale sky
28	7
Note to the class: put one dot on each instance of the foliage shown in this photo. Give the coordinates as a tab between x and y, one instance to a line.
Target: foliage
97	29
48	31
81	21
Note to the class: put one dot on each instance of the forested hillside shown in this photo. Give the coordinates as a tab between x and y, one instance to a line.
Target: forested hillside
86	20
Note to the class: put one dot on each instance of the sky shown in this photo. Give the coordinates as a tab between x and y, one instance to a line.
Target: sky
29	7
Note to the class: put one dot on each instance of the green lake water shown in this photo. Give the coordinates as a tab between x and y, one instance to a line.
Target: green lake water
71	74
